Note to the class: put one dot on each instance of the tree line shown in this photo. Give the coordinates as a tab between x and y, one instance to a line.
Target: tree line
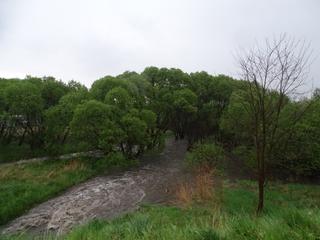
128	113
131	112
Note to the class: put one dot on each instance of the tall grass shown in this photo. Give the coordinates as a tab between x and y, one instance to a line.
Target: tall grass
292	214
204	187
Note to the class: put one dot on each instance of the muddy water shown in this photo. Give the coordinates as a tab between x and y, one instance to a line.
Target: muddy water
108	196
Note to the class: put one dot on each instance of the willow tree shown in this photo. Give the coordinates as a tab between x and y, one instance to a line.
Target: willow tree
274	73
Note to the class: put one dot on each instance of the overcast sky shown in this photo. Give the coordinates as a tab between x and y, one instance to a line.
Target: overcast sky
87	39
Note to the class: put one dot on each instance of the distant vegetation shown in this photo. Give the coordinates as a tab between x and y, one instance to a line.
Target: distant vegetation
131	112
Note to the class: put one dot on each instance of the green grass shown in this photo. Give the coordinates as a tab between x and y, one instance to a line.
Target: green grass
292	212
24	186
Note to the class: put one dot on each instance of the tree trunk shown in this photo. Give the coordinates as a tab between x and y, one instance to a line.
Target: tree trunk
260	155
64	137
261	181
23	136
2	130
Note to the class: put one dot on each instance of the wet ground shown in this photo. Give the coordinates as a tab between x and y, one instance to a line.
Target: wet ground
108	196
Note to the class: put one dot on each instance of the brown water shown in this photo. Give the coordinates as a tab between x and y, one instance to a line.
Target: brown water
108	196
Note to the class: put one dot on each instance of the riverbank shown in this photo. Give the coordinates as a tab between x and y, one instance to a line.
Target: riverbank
291	212
106	196
26	185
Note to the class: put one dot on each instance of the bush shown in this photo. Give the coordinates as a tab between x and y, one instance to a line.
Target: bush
246	154
116	159
208	154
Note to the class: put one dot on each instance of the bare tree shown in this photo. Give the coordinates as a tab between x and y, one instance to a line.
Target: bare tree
274	73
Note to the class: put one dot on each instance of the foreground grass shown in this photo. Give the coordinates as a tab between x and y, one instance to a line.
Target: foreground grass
24	186
292	212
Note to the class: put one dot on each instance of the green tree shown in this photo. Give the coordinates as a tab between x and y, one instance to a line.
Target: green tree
25	107
272	73
299	154
236	122
58	117
119	98
213	94
89	122
51	91
135	132
184	104
102	86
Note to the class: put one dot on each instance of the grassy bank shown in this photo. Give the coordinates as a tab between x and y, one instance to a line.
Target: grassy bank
24	186
292	212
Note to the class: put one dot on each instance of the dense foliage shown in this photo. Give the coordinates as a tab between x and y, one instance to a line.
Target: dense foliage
130	113
296	149
207	155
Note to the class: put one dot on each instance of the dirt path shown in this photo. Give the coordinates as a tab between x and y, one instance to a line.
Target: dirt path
108	196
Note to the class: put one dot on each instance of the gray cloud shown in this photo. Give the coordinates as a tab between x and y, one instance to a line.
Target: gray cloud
85	40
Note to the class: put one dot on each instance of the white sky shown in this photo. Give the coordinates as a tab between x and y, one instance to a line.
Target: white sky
88	39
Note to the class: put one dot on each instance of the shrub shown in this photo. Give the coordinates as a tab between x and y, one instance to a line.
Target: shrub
117	160
246	154
208	154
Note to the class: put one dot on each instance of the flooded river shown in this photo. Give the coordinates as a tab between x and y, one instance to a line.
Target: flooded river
106	197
